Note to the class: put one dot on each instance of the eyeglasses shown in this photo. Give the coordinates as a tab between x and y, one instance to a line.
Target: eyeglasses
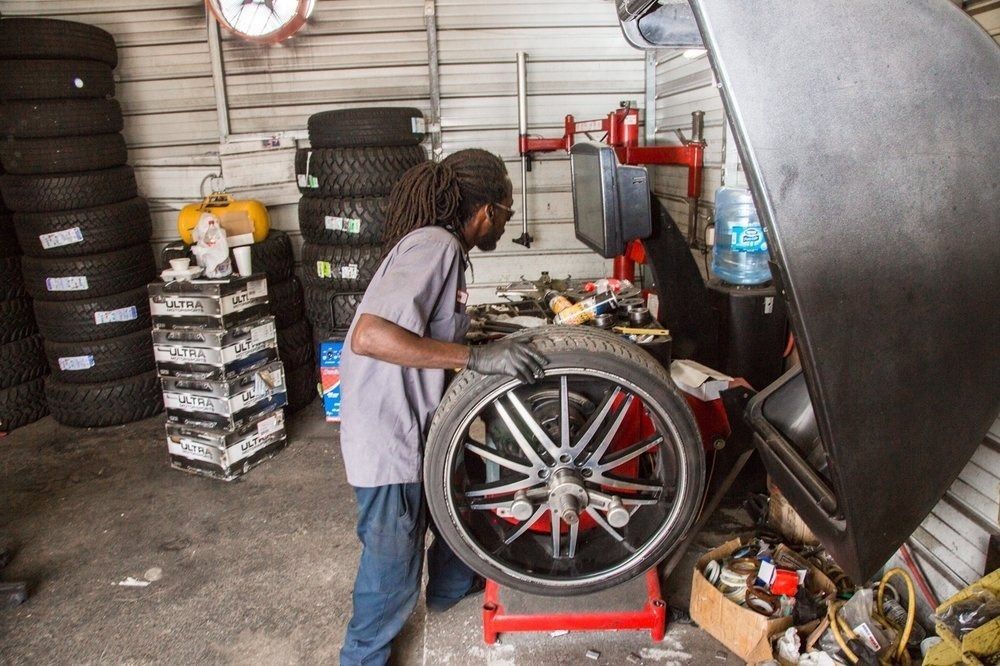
506	209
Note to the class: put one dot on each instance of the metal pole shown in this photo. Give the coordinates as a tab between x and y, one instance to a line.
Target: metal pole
434	127
522	130
697	134
218	76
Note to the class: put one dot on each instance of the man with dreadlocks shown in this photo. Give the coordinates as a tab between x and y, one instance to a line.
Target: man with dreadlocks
407	331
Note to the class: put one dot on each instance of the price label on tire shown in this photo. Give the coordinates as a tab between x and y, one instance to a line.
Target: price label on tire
349	272
114	316
72	283
324	269
71	363
60	238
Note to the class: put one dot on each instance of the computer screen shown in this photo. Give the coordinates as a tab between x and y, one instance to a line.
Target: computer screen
589	200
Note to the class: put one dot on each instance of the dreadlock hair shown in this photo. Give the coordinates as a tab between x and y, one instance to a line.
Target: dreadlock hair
445	194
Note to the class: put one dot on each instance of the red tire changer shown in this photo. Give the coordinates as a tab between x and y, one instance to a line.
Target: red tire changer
620	129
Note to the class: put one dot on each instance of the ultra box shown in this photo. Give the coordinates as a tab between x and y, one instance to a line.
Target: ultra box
329	374
213	353
227	404
226	455
216	304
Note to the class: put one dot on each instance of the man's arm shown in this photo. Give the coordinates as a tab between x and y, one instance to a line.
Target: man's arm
385	341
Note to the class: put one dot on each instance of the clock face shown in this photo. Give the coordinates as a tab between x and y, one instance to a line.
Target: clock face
266	21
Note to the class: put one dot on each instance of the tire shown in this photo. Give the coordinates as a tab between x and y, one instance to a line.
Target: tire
302	382
55	79
22	404
11	282
286	300
104	274
295	345
113	358
105	403
351	221
60	117
51	38
8	237
101	229
339	267
353	172
17	320
63	154
329	311
21	361
273	256
591	361
65	191
372	126
94	319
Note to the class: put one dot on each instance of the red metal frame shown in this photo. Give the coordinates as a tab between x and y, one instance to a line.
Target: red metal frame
652	616
621	131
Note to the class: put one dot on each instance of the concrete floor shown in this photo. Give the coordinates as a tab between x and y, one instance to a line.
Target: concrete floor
257	571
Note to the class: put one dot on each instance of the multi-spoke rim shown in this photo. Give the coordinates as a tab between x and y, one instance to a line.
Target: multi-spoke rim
609	497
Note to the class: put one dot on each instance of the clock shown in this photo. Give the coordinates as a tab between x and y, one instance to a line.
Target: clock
264	21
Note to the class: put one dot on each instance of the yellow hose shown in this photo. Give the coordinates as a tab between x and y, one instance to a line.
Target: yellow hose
838	624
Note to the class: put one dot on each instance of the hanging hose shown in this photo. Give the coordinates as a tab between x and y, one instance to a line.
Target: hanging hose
839	627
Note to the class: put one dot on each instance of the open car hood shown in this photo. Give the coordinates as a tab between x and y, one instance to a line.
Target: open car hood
870	133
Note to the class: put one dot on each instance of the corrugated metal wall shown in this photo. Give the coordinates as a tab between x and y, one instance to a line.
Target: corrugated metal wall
952	542
578	63
361	52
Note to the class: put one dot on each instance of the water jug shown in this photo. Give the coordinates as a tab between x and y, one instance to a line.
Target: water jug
739	255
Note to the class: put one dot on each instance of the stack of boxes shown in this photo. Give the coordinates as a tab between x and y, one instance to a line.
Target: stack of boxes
224	389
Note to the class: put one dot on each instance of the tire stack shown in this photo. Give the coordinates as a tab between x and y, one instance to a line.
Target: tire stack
82	227
356	157
273	257
22	358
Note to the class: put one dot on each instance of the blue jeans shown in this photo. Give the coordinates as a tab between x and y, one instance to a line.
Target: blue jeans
392	524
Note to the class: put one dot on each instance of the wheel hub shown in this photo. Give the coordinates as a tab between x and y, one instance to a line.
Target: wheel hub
567	494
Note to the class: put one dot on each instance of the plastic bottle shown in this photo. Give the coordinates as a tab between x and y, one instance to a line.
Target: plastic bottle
739	255
556	302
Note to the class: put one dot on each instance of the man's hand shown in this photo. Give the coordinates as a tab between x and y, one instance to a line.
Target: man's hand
514	358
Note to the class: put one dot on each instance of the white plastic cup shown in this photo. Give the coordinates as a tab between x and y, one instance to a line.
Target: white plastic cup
181	264
243	261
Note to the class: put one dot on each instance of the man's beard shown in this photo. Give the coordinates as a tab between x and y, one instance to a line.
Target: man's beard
489	243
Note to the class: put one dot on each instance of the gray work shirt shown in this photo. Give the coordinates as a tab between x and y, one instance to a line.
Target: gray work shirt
386	409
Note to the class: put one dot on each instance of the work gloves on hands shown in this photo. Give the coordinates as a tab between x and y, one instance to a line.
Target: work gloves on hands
514	358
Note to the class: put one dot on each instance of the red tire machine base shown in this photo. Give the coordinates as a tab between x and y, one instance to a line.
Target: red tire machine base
652	616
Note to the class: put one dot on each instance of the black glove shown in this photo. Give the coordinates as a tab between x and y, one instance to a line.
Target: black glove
514	358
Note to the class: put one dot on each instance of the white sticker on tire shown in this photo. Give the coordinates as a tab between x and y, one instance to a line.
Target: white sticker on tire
60	238
349	272
71	363
72	283
351	225
115	316
418	125
264	333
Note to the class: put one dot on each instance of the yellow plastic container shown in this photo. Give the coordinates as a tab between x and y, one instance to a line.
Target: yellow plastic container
223	205
980	643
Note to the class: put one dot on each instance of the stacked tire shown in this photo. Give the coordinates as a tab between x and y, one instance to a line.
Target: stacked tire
78	219
22	359
355	159
273	257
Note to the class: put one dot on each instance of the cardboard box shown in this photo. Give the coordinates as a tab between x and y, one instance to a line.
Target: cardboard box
745	632
217	304
238	226
214	353
226	455
225	405
329	374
